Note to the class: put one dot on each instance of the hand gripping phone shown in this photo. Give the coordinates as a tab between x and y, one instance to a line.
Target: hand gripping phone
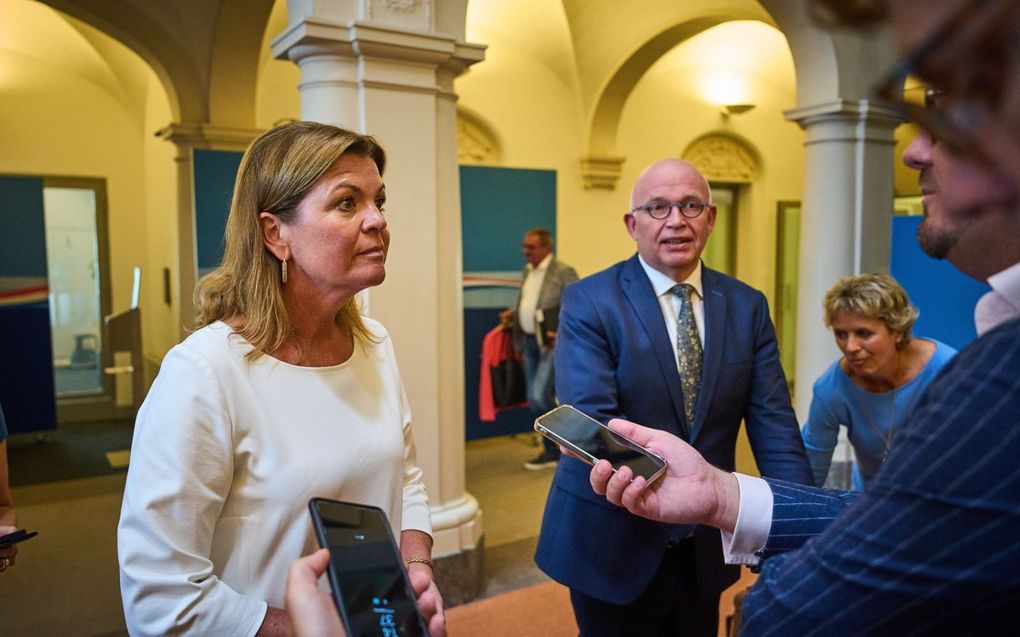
9	540
592	441
369	582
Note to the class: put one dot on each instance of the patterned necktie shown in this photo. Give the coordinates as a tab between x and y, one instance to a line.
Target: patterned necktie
688	351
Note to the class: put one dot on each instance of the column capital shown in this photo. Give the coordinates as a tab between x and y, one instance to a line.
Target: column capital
362	38
845	110
601	171
186	135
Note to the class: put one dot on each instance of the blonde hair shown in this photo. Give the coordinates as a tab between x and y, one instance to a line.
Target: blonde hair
277	171
874	296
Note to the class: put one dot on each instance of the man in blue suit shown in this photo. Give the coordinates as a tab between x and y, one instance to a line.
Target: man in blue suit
694	361
932	544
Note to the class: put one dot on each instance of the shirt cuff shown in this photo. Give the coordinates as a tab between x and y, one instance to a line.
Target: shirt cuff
754	519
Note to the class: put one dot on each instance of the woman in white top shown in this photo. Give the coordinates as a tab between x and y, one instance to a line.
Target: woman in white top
283	393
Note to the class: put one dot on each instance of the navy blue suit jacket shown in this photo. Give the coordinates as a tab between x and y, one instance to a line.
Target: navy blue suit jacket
932	545
614	359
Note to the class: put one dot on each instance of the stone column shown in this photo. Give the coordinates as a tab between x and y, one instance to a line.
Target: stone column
186	137
396	83
846	219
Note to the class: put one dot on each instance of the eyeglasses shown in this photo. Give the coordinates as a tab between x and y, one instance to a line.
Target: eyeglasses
662	209
960	101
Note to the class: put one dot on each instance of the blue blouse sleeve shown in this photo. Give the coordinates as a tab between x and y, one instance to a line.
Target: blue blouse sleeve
821	431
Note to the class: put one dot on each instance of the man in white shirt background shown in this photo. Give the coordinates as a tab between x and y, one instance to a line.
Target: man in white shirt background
534	320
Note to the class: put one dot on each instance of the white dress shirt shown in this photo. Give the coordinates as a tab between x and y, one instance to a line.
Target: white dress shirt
530	289
1002	303
669	303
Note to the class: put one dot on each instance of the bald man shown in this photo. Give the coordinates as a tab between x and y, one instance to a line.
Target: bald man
662	340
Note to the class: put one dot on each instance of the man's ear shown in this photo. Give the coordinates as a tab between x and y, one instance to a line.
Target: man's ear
272	235
630	221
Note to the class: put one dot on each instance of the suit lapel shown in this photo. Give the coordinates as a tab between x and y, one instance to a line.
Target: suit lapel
715	335
639	292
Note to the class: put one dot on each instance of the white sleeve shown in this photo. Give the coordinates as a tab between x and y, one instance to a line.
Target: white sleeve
415	510
754	519
180	474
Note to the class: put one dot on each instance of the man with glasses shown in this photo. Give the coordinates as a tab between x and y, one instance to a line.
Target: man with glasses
661	339
932	544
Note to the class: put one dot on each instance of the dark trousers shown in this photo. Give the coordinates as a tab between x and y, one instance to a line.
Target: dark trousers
539	378
670	606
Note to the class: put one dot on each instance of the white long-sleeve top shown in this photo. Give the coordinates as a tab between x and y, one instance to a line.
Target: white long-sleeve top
225	456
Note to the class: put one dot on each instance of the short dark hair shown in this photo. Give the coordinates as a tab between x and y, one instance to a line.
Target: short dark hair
544	236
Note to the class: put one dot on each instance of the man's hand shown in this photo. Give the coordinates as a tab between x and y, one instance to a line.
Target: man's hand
506	319
312	613
691	492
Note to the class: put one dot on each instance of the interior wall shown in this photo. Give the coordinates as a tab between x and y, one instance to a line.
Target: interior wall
73	103
159	318
530	101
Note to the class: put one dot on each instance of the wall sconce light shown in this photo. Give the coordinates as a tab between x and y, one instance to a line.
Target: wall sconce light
735	109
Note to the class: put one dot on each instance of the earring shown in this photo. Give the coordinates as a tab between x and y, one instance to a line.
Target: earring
283	272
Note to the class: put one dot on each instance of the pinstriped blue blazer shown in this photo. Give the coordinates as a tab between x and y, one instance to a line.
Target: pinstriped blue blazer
932	546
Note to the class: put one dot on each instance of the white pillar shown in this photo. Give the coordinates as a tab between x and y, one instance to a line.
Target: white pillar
396	83
846	217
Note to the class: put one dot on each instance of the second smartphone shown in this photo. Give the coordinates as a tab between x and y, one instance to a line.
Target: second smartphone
369	582
592	441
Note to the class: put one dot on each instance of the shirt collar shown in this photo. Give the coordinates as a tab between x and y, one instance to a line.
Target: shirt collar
1007	283
662	284
543	264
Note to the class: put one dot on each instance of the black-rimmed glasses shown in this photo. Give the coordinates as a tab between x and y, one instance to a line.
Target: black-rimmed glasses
960	101
661	209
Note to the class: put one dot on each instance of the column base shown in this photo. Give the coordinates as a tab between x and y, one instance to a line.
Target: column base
461	576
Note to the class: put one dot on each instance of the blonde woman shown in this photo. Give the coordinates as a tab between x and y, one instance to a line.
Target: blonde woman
882	372
284	392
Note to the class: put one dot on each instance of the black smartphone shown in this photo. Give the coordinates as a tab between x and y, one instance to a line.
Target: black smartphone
591	441
14	537
367	575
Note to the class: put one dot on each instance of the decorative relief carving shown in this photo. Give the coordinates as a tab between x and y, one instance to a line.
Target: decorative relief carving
401	6
475	143
723	158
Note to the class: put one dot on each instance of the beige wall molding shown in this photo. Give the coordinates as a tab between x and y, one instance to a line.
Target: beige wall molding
601	172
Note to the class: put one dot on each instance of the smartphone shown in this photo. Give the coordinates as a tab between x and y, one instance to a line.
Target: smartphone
592	441
14	537
367	575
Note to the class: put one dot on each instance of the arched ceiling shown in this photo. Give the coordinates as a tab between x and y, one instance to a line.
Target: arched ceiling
205	52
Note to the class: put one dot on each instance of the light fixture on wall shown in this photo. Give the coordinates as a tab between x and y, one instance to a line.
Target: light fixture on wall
735	109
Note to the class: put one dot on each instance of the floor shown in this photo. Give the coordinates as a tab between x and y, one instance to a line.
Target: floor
66	581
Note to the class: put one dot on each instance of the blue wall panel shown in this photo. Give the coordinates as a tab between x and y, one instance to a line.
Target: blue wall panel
215	172
945	296
498	205
26	375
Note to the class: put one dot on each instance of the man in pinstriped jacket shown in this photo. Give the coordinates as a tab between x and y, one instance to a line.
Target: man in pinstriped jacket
933	545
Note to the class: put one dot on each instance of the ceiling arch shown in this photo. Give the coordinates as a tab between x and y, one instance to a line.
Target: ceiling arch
204	52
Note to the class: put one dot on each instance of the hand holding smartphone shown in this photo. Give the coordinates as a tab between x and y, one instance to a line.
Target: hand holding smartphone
591	441
367	575
9	540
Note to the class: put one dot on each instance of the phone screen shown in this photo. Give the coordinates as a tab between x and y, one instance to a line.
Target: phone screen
594	441
370	585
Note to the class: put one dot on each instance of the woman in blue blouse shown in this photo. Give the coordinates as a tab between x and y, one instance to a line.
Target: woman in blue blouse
881	373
